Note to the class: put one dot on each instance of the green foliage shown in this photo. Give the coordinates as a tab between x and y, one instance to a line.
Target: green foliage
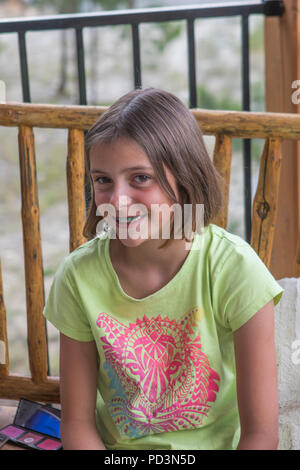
50	271
60	6
256	39
233	226
257	96
216	100
76	6
114	4
167	31
2	46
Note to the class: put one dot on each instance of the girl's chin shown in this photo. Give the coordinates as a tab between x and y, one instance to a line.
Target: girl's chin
131	241
137	237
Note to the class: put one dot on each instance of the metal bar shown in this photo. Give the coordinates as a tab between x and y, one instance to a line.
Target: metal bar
24	67
192	63
145	15
136	55
82	101
80	67
246	142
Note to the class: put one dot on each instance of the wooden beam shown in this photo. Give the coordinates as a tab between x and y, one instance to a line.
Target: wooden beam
14	387
238	124
49	115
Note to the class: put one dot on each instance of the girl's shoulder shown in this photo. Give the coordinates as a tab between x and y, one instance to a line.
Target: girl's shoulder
219	234
86	248
222	245
232	260
83	257
241	282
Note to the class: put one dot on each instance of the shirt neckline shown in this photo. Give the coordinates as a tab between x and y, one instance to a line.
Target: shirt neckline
159	292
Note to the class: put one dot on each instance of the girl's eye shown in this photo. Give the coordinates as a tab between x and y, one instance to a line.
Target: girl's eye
99	178
103	179
144	178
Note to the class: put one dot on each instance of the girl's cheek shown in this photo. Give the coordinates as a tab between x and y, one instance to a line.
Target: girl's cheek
99	201
100	196
152	199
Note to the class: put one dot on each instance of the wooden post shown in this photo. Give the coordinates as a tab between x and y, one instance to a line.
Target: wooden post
282	68
37	345
222	161
75	185
297	262
4	361
266	201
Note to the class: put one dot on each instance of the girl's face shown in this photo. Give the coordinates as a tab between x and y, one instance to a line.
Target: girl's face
124	178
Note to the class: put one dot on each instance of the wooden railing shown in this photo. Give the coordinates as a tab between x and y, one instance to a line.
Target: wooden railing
225	125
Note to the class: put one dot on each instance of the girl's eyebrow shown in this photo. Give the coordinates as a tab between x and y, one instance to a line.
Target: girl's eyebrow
132	168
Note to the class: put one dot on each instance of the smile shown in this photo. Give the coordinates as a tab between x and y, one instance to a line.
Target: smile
127	220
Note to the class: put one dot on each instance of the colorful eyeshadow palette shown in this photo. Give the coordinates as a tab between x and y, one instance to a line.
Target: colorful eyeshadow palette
35	426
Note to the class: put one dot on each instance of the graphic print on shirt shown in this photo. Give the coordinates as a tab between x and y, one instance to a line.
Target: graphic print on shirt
161	381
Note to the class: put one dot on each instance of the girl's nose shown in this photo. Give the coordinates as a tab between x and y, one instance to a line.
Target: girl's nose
120	198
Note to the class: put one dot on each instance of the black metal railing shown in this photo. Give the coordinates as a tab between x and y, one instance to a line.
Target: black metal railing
136	17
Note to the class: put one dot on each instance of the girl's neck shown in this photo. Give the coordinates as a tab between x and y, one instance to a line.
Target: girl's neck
148	256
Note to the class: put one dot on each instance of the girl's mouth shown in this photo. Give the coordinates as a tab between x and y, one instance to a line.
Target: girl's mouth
124	221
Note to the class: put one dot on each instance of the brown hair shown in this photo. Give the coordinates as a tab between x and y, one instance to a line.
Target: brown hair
168	133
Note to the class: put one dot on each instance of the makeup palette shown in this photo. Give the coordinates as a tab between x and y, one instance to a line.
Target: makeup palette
35	426
3	440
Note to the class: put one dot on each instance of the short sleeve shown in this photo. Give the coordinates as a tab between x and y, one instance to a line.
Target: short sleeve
63	308
242	285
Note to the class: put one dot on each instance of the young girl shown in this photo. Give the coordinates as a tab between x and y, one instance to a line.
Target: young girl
164	344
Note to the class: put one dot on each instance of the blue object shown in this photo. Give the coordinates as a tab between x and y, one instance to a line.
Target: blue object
44	422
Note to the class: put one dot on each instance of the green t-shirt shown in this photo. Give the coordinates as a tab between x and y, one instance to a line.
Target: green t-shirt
167	368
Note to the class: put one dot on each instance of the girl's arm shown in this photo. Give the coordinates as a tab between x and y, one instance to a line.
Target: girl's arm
78	392
256	371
